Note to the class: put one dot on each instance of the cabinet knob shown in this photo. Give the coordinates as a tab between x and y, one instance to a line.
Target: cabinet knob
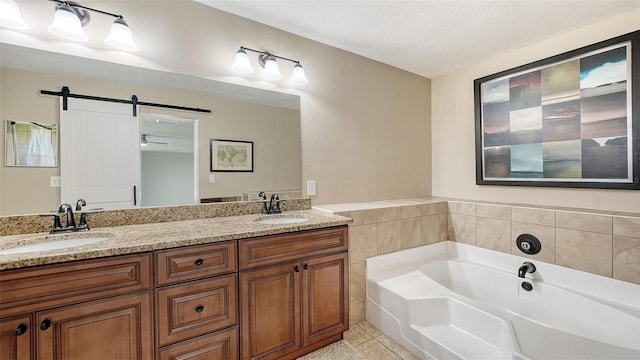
198	262
199	308
297	268
44	325
21	329
306	266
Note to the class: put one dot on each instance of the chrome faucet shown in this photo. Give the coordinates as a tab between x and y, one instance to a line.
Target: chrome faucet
272	206
265	207
526	267
70	226
80	203
66	209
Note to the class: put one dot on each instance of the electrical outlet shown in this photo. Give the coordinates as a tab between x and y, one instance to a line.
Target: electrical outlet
54	181
311	188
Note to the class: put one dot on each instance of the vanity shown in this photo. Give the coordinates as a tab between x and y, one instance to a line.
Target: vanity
235	287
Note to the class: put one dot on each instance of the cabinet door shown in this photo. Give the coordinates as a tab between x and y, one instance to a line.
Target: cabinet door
15	338
325	296
270	311
111	329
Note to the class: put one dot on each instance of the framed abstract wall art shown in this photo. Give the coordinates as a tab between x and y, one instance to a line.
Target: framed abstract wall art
564	121
231	155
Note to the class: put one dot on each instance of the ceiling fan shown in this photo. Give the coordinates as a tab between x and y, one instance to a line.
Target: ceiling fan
144	141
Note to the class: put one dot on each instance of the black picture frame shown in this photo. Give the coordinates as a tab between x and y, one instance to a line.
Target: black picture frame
230	155
542	131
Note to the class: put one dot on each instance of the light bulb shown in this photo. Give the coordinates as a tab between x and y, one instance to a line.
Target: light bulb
241	64
271	71
298	78
10	16
120	36
66	24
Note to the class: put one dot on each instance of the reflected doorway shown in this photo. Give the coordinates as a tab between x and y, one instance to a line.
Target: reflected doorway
168	160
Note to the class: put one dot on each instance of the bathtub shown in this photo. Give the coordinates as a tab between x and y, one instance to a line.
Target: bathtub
454	301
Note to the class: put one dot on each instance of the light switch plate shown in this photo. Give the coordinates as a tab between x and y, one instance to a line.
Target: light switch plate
54	181
311	187
212	178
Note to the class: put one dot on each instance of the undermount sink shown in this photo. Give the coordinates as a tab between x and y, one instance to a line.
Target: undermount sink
279	220
56	243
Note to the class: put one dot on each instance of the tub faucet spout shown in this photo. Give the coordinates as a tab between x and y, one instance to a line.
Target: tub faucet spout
526	267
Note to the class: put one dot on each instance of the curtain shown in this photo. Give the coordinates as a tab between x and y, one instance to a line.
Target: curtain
11	157
40	148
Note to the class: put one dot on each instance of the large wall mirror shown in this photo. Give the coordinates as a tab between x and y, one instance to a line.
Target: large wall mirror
269	119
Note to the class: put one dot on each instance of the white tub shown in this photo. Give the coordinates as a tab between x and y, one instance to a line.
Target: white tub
454	301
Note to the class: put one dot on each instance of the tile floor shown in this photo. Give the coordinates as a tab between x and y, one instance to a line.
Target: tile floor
362	342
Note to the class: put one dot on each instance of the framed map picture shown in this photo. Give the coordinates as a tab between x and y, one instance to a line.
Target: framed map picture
565	121
231	155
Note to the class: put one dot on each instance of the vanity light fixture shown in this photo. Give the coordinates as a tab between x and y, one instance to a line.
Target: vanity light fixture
267	60
10	16
70	17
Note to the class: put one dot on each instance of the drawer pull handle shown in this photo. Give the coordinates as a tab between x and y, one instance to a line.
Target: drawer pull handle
297	268
21	329
306	266
44	325
199	308
199	262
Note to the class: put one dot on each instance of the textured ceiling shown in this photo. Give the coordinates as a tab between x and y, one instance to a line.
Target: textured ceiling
426	37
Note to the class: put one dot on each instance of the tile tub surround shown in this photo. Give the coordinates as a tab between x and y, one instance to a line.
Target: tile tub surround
599	242
383	227
27	224
146	237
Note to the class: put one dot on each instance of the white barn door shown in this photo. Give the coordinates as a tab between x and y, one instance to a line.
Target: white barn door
99	154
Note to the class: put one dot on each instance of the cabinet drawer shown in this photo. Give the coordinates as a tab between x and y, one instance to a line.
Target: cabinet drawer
195	262
222	345
275	249
196	308
55	285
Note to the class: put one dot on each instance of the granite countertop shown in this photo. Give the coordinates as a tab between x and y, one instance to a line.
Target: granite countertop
146	237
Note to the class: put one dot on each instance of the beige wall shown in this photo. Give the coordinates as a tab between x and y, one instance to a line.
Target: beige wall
453	127
274	131
365	125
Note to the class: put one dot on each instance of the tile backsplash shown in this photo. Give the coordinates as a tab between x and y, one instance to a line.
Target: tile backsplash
603	243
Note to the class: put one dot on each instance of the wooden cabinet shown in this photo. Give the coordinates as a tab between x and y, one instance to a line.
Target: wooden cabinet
289	298
197	302
15	338
325	293
270	311
92	309
292	307
115	328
